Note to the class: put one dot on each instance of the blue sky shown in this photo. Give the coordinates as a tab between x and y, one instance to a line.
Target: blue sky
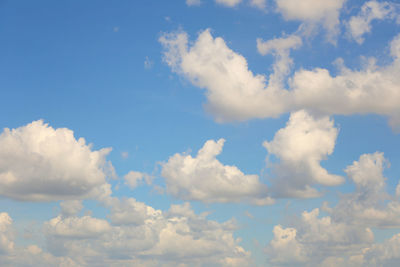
215	133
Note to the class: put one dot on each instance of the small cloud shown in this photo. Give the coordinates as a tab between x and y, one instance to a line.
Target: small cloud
116	29
148	64
168	19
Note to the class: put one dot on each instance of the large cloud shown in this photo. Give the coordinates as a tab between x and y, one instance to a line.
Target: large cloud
177	236
40	163
345	238
206	179
300	146
235	93
314	241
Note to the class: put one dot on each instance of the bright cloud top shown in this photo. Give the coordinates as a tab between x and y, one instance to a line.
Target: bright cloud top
235	93
40	163
300	147
205	178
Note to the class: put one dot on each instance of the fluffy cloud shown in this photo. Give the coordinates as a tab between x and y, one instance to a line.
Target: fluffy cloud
369	204
317	241
228	3
235	93
6	235
384	254
230	86
312	13
280	48
370	11
177	236
345	238
206	179
13	256
300	146
40	163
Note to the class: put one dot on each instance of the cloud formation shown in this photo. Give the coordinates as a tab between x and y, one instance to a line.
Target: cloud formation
204	178
300	147
345	237
177	236
360	24
40	163
313	13
234	93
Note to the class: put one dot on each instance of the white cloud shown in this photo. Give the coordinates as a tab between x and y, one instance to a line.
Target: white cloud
280	48
71	207
317	241
40	163
206	179
384	254
235	93
178	236
230	86
301	146
228	3
6	234
77	227
313	13
372	10
369	204
345	238
284	248
133	178
193	2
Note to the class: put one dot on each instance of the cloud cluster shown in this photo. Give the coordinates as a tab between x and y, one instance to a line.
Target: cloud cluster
344	238
235	93
40	163
300	147
205	178
372	10
177	236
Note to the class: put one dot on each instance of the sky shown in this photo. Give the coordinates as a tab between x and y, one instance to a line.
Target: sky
200	133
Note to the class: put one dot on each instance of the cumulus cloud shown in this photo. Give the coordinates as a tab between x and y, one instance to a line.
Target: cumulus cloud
228	3
300	147
6	234
40	163
177	236
315	241
345	238
372	10
205	178
312	13
235	93
369	204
